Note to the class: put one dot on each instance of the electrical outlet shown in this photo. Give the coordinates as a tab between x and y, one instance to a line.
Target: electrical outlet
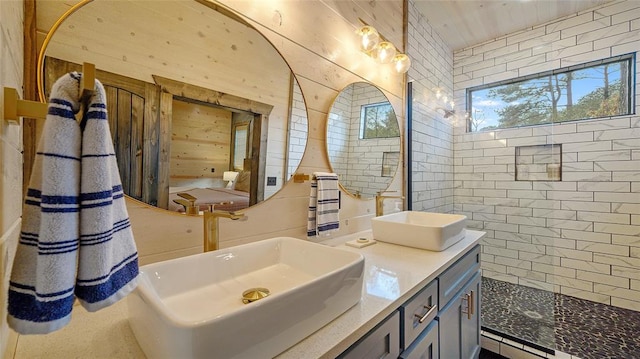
213	170
271	181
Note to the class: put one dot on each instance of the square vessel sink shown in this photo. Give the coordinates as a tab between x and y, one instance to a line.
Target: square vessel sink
424	230
192	307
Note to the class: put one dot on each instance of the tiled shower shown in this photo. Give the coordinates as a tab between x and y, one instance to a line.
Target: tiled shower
578	237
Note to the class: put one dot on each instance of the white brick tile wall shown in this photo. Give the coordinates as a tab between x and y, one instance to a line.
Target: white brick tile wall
583	232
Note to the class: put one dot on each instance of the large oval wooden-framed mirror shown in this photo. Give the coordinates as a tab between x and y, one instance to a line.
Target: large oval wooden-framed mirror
363	140
199	102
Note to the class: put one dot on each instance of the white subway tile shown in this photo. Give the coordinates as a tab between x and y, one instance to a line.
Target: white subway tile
585	57
602	248
490	193
506	151
512	261
528	35
582	147
586	176
517	211
533	60
604	186
549	287
513	56
540	231
488	176
603	125
616	291
527	194
504	227
617	7
547	43
569	224
498	268
619	155
586	206
583	265
542	67
526	247
554	129
529	221
586	236
570	196
493	242
625	303
594	297
618	134
501	253
570	137
568	253
615	260
605	217
514	133
568	52
489	144
490	45
468	176
628	230
631	208
617	165
487	217
510	202
540	258
514	185
554	242
612	41
602	32
506	159
626	272
569	22
565	282
536	203
617	197
477	66
554	213
626	144
470	161
597	278
529	275
554	186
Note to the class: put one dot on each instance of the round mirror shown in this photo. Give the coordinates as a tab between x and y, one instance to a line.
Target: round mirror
200	104
363	140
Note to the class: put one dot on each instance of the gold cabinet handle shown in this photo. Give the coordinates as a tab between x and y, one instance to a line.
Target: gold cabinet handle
430	309
471	304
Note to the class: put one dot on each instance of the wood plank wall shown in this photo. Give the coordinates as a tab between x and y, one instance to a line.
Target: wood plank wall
200	142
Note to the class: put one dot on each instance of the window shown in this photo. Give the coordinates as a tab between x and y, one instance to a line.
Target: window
378	121
593	90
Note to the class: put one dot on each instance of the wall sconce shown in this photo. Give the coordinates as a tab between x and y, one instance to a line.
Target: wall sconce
379	48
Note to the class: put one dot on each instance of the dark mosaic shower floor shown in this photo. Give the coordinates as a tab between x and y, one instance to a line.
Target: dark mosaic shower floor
579	327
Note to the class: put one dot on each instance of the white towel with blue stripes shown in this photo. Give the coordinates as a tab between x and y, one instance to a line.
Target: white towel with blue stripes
324	204
76	240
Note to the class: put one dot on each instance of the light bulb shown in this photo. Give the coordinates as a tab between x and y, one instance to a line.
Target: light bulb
370	38
386	52
402	63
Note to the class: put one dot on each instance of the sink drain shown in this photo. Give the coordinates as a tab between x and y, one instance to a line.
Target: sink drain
253	294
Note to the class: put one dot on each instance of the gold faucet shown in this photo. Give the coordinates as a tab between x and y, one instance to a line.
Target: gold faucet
189	203
380	202
211	235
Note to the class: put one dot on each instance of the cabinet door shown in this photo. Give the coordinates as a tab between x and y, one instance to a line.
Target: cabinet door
426	346
459	323
470	323
382	342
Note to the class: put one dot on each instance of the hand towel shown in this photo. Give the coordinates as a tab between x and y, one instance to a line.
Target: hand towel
43	277
324	204
67	247
108	259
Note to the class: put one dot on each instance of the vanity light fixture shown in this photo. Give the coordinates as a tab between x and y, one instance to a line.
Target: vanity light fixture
378	47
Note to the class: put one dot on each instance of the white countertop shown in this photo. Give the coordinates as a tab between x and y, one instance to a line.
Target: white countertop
392	275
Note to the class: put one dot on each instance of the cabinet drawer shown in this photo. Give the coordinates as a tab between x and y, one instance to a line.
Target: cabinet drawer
382	342
454	278
426	346
418	312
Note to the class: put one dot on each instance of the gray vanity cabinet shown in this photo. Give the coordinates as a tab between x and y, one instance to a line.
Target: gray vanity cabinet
441	321
460	323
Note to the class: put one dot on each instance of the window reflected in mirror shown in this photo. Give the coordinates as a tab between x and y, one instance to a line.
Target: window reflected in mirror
363	140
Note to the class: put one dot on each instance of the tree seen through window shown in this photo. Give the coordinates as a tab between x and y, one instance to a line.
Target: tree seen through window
600	90
378	121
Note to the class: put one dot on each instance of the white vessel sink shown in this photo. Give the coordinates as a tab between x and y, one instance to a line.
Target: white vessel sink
424	230
192	307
